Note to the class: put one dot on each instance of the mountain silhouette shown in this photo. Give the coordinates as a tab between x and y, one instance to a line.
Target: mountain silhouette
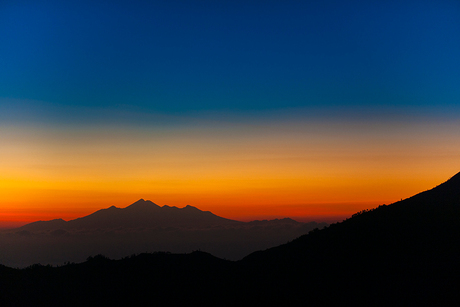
406	252
403	254
421	217
143	227
142	213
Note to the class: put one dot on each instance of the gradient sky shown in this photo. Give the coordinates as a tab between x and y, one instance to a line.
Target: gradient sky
249	109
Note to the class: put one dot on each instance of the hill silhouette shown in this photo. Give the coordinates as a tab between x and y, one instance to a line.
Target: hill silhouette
406	252
401	254
143	227
142	213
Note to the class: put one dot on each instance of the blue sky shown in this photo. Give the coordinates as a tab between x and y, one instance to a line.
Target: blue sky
176	57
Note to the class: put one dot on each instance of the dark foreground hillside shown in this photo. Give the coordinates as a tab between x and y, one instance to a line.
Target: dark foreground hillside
141	280
403	254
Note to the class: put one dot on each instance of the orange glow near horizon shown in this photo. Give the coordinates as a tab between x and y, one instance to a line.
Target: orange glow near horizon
303	171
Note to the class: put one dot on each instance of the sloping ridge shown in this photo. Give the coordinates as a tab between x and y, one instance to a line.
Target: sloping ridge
44	225
429	211
442	197
142	213
407	250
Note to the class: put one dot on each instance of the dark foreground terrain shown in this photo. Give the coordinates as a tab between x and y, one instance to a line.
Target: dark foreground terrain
403	254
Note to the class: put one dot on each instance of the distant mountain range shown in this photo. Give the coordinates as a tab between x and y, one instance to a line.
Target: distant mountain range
143	227
142	213
403	254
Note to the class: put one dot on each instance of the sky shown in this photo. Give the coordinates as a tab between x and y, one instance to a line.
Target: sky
312	110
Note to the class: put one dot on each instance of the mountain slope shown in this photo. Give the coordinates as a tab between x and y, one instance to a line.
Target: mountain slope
407	251
425	217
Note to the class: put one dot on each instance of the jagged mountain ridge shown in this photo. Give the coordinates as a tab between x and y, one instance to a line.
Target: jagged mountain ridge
142	213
